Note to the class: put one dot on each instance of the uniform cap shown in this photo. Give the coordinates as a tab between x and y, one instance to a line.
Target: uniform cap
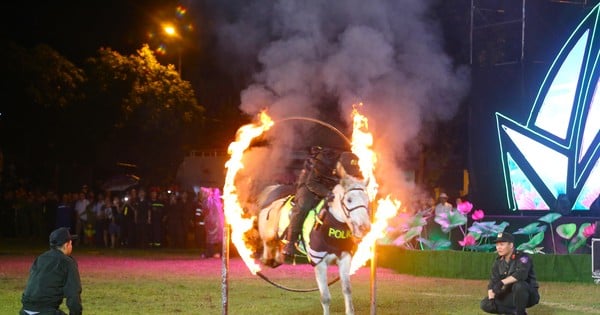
443	195
505	237
61	236
349	161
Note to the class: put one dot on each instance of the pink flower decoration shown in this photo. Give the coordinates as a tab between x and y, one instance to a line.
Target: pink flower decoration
464	207
469	240
477	215
589	231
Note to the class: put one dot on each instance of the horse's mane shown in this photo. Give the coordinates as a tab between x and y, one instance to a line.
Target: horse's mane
349	181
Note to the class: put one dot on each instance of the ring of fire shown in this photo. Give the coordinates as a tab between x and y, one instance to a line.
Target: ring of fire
362	141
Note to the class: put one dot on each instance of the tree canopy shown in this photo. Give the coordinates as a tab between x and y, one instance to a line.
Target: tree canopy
60	118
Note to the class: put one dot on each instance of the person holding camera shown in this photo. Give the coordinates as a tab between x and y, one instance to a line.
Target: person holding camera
513	286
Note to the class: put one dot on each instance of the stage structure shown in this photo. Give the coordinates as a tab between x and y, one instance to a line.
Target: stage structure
551	158
596	260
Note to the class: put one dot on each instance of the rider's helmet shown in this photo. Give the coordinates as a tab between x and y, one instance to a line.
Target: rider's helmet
349	162
314	150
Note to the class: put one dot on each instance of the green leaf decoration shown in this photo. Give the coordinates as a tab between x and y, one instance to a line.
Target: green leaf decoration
531	228
415	231
579	240
533	242
537	239
450	219
550	217
576	243
476	235
441	244
501	227
566	230
417	221
385	240
482	247
537	250
487	229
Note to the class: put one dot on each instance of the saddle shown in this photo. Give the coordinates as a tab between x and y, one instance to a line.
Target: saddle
312	219
321	233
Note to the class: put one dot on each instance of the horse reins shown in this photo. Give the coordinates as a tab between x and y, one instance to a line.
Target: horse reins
348	210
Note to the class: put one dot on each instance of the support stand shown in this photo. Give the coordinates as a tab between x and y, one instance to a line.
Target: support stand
225	269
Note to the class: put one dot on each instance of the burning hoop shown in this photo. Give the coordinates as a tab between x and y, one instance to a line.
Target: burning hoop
237	224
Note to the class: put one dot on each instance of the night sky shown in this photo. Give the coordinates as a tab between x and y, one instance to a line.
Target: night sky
78	28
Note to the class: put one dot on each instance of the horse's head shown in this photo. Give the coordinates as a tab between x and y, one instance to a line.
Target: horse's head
351	205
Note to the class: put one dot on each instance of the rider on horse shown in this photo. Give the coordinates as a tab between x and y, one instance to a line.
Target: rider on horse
322	171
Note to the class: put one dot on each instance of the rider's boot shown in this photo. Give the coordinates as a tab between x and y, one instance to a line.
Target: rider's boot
294	230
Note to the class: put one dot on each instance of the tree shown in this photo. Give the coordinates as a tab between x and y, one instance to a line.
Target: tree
42	86
63	122
144	109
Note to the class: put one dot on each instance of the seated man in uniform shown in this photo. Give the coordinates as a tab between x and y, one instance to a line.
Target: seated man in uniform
53	276
321	174
513	286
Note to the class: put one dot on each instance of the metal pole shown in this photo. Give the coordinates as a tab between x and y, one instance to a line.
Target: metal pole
373	271
225	269
523	53
374	280
471	35
523	34
179	62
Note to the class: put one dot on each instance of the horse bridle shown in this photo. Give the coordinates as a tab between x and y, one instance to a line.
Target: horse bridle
348	210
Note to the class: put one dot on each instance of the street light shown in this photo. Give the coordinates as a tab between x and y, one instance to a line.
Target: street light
171	31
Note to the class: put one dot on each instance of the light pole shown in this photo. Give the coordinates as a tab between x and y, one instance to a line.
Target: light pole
171	31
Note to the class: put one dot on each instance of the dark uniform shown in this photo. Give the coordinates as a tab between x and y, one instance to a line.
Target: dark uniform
142	226
157	208
518	296
128	226
314	185
329	237
52	277
176	223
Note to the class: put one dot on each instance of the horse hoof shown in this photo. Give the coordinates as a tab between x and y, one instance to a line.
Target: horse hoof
275	264
270	262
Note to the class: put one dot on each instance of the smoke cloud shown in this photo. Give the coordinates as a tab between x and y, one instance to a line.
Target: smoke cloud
316	58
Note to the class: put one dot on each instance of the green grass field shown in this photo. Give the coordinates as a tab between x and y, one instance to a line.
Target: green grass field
179	282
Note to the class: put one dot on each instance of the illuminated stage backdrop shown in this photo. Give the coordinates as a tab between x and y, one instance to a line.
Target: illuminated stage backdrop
554	153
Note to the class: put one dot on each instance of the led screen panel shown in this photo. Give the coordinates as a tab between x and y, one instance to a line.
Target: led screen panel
553	155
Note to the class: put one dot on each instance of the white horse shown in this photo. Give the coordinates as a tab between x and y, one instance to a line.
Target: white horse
332	238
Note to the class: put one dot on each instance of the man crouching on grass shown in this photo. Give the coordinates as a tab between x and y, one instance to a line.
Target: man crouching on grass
513	286
53	276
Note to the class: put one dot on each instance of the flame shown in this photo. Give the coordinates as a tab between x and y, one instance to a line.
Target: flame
233	210
362	142
386	209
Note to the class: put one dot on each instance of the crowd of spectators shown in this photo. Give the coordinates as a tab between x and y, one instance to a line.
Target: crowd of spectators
137	218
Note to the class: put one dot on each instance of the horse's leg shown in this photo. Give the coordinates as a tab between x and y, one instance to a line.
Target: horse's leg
344	269
277	253
268	219
266	256
276	260
321	276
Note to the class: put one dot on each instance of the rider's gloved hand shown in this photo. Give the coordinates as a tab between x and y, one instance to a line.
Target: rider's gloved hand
330	196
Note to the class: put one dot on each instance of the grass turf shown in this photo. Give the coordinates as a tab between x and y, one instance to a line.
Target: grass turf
179	282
